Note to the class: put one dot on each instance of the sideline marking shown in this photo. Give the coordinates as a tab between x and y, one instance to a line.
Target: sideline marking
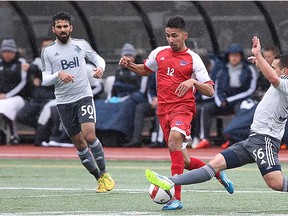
86	213
132	190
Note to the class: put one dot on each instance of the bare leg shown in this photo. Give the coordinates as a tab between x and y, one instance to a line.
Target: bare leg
275	180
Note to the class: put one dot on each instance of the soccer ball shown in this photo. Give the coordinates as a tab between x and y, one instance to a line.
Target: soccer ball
159	195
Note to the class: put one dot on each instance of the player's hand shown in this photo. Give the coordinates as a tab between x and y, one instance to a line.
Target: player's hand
97	73
184	87
124	61
253	60
65	77
256	47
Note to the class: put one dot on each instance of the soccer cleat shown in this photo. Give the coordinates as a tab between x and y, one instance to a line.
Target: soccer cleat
108	181
283	146
101	186
204	143
228	184
173	204
159	180
225	144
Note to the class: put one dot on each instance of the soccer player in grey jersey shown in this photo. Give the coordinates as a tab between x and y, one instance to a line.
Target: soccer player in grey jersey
64	66
262	146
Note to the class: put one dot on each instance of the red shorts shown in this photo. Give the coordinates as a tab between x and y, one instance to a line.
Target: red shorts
180	121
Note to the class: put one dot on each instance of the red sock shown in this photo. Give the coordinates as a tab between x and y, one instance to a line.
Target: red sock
195	163
177	167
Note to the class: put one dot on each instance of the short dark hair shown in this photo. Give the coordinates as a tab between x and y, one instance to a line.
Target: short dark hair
272	48
176	22
283	63
60	15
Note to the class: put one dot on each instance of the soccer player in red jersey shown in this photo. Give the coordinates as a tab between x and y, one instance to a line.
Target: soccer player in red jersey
180	72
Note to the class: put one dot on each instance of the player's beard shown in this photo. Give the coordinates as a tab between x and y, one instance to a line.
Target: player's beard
63	39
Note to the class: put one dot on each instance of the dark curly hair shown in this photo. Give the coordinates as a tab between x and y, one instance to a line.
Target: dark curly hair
60	15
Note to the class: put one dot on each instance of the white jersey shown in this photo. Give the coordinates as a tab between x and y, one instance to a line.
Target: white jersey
69	57
271	113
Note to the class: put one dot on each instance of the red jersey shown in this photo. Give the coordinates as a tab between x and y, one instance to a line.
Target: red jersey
173	68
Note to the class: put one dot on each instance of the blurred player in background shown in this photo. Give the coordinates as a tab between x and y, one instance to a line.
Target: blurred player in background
64	66
180	72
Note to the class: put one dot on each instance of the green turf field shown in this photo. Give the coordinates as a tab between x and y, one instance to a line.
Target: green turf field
63	187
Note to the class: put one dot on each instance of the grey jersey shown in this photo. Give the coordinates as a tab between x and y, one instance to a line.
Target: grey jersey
69	57
271	113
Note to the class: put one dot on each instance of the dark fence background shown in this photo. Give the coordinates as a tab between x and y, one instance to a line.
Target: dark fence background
107	25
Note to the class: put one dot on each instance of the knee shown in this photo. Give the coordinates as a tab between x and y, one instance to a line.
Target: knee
186	163
79	142
172	147
218	163
275	184
274	180
90	137
174	144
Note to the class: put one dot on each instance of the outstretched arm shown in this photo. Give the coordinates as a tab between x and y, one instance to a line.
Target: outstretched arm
136	68
262	64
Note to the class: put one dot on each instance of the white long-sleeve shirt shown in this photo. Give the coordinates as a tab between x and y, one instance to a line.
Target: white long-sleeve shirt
69	57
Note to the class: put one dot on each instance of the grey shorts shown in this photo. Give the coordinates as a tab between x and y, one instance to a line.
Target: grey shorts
258	148
76	113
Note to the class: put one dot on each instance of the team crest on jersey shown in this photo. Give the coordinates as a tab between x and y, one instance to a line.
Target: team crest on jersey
179	123
183	63
77	49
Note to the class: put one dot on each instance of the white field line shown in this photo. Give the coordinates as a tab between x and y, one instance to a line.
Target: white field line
117	213
130	191
86	213
111	213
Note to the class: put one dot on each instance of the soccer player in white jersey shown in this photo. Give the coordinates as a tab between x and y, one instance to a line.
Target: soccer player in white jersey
64	66
262	146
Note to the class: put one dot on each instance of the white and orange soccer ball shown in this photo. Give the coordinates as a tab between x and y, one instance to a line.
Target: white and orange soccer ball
159	195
